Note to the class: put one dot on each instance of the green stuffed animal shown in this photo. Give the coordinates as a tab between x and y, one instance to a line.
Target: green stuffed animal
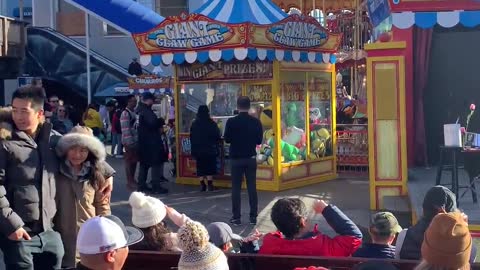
289	152
291	115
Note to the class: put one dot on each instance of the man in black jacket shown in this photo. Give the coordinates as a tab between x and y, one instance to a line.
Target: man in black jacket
28	166
243	132
153	147
134	68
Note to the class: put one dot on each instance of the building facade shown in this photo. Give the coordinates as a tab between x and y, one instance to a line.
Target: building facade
104	39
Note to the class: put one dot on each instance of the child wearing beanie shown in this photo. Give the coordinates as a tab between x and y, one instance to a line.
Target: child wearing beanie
148	214
198	253
447	243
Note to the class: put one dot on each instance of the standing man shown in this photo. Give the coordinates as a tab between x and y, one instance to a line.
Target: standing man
134	68
28	166
128	121
243	132
153	148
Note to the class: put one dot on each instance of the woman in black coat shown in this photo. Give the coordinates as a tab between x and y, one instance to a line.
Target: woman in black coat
204	138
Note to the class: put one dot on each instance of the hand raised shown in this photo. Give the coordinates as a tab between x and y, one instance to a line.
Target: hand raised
319	206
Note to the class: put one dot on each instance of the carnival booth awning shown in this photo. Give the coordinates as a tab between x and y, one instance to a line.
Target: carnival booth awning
447	19
256	30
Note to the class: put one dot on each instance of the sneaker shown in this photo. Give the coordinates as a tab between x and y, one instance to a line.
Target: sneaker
235	221
160	190
253	221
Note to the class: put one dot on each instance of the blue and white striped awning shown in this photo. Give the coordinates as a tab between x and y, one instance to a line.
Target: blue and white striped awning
238	54
446	19
240	11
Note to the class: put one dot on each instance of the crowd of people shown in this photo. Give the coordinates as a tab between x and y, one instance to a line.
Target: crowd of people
55	194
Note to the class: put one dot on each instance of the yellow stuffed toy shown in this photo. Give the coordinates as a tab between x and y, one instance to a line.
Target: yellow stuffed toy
266	117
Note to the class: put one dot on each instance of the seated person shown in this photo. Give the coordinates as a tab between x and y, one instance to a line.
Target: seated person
289	216
197	252
103	243
222	236
383	230
447	244
148	214
438	199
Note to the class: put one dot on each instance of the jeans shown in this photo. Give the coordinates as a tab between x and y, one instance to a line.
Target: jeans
43	251
117	143
131	160
157	174
247	167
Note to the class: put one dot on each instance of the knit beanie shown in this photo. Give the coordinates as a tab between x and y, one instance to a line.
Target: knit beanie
447	241
197	252
146	211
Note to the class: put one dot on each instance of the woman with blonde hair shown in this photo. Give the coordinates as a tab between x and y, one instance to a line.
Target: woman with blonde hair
447	243
83	173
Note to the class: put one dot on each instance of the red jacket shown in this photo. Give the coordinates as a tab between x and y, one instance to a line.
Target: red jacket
317	244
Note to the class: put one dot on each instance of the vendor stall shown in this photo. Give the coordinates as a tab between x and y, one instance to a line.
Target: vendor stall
285	64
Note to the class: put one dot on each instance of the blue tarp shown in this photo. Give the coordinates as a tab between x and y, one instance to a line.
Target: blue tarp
127	15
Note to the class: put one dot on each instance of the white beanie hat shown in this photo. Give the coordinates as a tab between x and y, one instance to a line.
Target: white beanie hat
146	211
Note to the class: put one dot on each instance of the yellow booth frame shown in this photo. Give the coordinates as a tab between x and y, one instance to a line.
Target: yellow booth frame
280	176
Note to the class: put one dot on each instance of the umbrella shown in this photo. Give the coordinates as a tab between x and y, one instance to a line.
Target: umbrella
116	90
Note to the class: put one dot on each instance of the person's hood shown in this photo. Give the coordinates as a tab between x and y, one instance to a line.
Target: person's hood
436	198
6	123
94	145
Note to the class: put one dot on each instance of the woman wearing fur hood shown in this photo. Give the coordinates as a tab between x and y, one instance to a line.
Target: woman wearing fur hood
83	172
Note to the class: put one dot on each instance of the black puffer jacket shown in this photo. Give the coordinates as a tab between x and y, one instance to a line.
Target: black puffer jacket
27	180
204	138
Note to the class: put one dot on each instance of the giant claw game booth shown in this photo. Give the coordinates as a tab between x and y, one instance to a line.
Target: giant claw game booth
285	64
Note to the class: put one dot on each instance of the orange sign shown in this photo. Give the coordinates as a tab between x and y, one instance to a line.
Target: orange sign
190	33
149	82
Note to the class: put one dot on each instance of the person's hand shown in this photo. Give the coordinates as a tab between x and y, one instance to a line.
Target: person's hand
19	235
255	236
106	190
319	206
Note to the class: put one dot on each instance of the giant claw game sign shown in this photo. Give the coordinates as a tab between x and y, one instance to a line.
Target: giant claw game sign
295	32
189	33
196	32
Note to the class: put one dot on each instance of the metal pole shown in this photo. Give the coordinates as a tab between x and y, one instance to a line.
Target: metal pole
87	42
52	16
20	9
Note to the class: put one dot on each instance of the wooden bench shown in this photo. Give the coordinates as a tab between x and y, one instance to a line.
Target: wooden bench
149	260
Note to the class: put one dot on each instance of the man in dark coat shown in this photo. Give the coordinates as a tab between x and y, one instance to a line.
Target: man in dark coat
153	146
134	68
27	185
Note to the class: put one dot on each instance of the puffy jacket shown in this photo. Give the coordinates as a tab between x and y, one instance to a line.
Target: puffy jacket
317	244
204	138
27	179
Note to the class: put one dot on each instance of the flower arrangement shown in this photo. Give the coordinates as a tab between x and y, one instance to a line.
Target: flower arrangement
464	130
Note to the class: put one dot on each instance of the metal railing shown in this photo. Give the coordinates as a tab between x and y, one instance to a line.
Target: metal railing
352	148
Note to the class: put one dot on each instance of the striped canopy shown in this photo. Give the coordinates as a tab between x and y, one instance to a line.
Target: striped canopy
240	11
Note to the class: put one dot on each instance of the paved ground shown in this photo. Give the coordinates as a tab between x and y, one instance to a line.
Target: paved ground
351	195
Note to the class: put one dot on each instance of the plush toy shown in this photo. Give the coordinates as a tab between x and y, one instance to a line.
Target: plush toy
295	136
315	116
266	117
320	140
289	152
267	134
291	115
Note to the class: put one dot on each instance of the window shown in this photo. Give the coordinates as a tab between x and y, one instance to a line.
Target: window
171	7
